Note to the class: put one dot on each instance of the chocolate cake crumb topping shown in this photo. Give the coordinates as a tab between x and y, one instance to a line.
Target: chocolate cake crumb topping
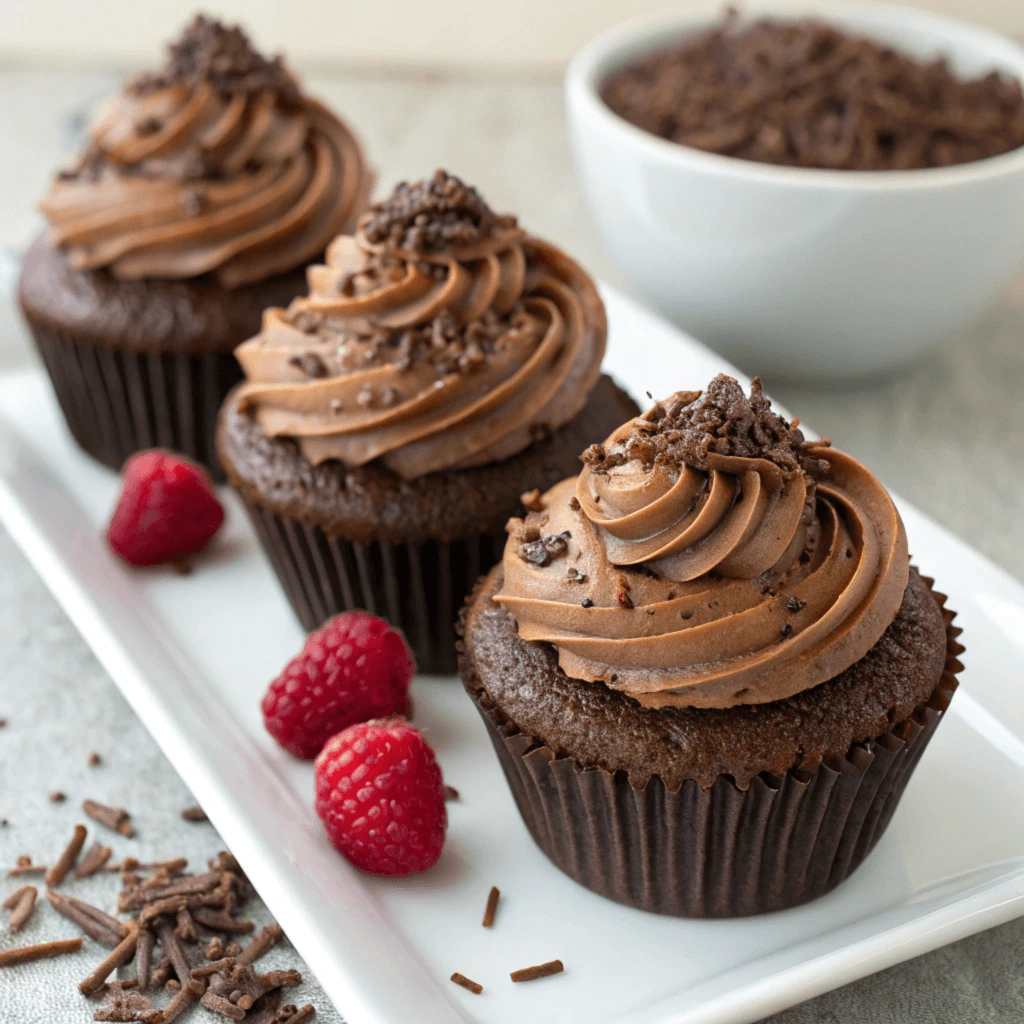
544	550
209	51
685	428
432	215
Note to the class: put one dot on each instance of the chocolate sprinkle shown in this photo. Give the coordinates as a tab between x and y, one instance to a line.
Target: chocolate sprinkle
492	906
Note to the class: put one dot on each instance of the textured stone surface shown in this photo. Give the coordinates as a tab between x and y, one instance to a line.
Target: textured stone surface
945	434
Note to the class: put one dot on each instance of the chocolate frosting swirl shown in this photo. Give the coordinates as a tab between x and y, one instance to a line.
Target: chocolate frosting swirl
709	556
441	336
217	164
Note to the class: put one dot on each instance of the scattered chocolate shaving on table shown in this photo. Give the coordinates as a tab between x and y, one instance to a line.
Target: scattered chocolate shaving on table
57	797
20	903
115	818
41	951
450	792
144	959
470	986
93	759
118	957
67	859
492	906
3	722
194	814
540	971
94	922
94	860
25	866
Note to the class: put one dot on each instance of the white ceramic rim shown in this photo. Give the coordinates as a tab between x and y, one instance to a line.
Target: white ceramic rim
614	48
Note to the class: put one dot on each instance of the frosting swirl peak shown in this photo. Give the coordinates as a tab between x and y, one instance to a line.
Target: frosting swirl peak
439	336
218	163
709	556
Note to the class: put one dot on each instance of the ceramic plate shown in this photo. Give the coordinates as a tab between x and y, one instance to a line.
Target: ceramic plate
193	655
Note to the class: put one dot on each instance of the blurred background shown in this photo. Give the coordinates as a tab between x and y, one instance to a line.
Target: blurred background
515	37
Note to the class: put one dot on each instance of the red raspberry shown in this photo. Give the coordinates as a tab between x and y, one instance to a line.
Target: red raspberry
166	512
379	794
354	668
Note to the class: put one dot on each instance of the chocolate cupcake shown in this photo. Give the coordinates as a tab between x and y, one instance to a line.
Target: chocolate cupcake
705	663
205	191
444	363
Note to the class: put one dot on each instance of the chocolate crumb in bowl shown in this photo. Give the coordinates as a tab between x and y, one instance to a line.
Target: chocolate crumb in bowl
807	94
470	986
540	971
492	906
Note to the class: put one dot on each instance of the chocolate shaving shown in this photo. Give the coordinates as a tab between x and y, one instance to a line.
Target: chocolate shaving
433	215
66	861
93	759
545	550
57	797
118	957
218	1004
262	941
450	792
20	903
471	986
173	951
115	818
144	958
124	1005
42	951
540	971
808	94
221	921
187	996
492	906
25	866
94	922
94	860
185	929
194	814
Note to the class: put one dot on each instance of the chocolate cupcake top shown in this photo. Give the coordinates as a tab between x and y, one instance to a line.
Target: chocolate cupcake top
440	336
709	556
218	164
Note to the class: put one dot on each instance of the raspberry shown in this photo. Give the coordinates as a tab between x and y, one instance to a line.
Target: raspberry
354	668
166	512
380	796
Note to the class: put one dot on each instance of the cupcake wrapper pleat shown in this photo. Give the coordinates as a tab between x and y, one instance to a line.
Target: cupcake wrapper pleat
724	852
118	402
418	588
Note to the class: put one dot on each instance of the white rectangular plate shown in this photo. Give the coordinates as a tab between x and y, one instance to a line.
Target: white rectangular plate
194	654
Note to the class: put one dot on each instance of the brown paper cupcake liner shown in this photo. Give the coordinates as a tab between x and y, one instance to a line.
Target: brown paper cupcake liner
418	588
724	852
118	402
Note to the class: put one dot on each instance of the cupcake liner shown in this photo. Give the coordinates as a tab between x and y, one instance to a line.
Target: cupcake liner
117	402
419	588
724	852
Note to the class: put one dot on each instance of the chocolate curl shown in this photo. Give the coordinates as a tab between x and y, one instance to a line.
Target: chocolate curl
173	951
187	996
117	958
25	866
221	921
185	930
20	903
144	958
94	922
94	860
116	818
42	951
66	861
138	897
218	1004
264	939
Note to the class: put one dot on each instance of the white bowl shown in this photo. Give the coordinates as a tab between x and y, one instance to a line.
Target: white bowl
794	271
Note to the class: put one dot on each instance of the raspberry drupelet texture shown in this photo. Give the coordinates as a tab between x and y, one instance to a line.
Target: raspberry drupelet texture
380	796
167	510
354	668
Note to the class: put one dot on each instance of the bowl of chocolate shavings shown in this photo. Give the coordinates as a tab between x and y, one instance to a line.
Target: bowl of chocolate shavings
836	185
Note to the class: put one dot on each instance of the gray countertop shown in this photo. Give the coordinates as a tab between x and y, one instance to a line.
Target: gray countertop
945	433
